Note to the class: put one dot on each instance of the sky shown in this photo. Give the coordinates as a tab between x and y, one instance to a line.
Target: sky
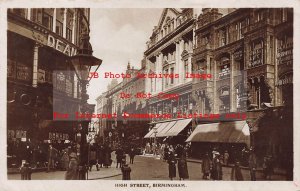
119	36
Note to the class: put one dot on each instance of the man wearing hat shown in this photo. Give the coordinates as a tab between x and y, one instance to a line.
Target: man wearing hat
72	172
216	167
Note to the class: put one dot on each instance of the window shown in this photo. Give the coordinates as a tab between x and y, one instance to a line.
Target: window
224	68
256	53
69	34
186	66
47	21
20	12
259	16
166	79
172	78
223	37
69	25
36	15
59	28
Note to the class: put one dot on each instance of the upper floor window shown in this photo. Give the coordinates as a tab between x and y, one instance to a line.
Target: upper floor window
20	12
172	72
223	37
37	15
258	16
59	28
69	25
224	68
256	53
47	18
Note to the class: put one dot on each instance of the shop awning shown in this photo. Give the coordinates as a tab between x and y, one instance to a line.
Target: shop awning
166	128
223	132
179	126
152	130
160	129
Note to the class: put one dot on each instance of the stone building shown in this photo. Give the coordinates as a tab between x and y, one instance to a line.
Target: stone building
249	54
169	51
40	78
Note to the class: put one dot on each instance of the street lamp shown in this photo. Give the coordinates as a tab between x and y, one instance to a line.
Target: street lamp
83	62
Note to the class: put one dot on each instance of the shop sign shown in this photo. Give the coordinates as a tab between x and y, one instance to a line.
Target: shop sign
23	72
61	46
58	136
285	80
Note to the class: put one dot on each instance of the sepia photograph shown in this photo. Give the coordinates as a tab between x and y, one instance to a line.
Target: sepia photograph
162	96
247	52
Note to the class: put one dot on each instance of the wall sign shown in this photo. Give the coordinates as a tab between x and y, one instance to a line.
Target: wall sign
61	46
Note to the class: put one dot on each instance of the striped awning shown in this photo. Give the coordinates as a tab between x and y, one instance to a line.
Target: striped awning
179	126
223	132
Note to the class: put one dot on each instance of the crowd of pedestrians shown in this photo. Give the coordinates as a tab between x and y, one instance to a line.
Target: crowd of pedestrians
212	162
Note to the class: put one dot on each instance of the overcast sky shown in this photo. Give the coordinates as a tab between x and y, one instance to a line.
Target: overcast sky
119	36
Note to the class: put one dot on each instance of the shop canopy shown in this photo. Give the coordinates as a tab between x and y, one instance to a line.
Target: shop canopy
179	126
151	132
168	129
223	132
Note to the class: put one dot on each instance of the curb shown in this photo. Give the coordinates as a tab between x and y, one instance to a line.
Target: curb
105	177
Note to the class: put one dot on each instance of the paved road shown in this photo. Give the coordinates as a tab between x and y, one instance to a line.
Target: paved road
144	168
150	168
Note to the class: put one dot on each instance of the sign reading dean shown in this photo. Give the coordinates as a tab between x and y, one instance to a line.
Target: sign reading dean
61	46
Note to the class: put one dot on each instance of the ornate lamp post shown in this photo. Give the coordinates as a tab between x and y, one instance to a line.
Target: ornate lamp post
83	62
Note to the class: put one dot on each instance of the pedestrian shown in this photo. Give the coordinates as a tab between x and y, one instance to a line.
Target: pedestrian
52	155
162	151
131	154
166	151
172	165
182	168
126	170
65	159
226	158
107	156
236	173
92	157
216	173
268	167
147	148
72	172
100	156
252	165
206	166
119	155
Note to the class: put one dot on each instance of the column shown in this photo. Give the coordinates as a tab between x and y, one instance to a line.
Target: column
214	77
176	70
54	21
232	97
189	67
29	14
35	65
159	61
73	28
65	23
180	63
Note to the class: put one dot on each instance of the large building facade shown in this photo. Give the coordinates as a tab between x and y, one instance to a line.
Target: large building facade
40	77
248	52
